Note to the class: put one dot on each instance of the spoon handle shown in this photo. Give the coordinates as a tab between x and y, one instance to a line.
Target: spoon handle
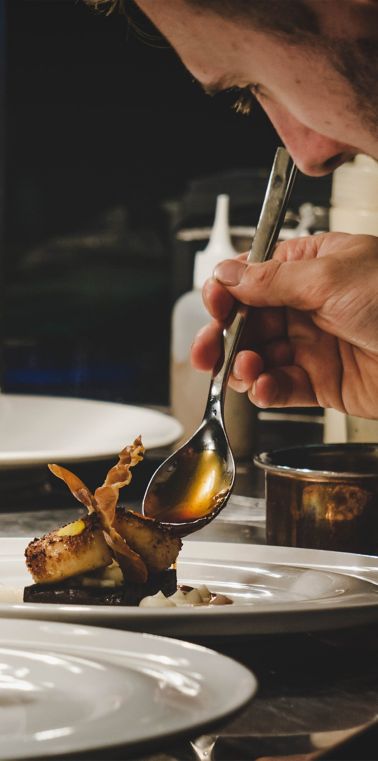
272	215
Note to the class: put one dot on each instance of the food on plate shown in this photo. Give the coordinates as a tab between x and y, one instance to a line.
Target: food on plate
183	597
112	556
76	548
152	540
101	590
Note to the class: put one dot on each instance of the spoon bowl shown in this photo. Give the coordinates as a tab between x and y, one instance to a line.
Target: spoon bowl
193	485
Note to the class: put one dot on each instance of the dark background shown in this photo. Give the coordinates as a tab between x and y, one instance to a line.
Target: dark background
110	148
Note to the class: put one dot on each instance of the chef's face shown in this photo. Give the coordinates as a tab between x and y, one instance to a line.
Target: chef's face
315	110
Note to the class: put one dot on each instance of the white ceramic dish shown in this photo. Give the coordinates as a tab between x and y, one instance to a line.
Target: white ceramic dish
275	590
35	430
67	688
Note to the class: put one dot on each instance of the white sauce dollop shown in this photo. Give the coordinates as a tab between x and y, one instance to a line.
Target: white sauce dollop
156	601
196	596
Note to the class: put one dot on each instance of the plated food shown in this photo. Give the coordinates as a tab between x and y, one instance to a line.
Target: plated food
113	555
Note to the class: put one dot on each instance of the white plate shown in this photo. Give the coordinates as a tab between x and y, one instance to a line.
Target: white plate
67	688
35	430
275	589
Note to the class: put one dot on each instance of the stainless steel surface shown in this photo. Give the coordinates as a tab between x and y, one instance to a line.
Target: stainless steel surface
191	487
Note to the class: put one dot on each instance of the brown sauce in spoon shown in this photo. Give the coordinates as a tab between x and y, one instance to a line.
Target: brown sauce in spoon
191	492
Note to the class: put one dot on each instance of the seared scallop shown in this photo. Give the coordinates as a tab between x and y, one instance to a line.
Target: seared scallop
153	541
78	547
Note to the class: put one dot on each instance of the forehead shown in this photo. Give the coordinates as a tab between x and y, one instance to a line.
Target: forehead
219	52
196	33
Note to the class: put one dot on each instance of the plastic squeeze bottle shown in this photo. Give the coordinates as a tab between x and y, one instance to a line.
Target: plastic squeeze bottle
354	201
354	209
190	387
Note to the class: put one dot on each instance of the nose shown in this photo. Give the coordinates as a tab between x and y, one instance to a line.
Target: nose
314	153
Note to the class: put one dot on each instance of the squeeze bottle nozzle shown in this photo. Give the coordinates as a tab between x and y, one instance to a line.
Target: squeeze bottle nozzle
219	246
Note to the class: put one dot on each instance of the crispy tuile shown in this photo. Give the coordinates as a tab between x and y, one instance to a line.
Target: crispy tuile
104	502
76	486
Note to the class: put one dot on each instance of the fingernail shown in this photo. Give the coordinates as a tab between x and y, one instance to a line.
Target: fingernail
254	389
229	272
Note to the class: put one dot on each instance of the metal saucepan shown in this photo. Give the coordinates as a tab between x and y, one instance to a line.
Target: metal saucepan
322	497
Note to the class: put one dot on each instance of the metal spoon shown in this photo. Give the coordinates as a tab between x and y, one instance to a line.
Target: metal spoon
191	487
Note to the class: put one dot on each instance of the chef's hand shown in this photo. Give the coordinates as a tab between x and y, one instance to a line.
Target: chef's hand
312	335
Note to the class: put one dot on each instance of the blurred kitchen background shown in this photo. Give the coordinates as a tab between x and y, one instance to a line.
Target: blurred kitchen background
114	158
